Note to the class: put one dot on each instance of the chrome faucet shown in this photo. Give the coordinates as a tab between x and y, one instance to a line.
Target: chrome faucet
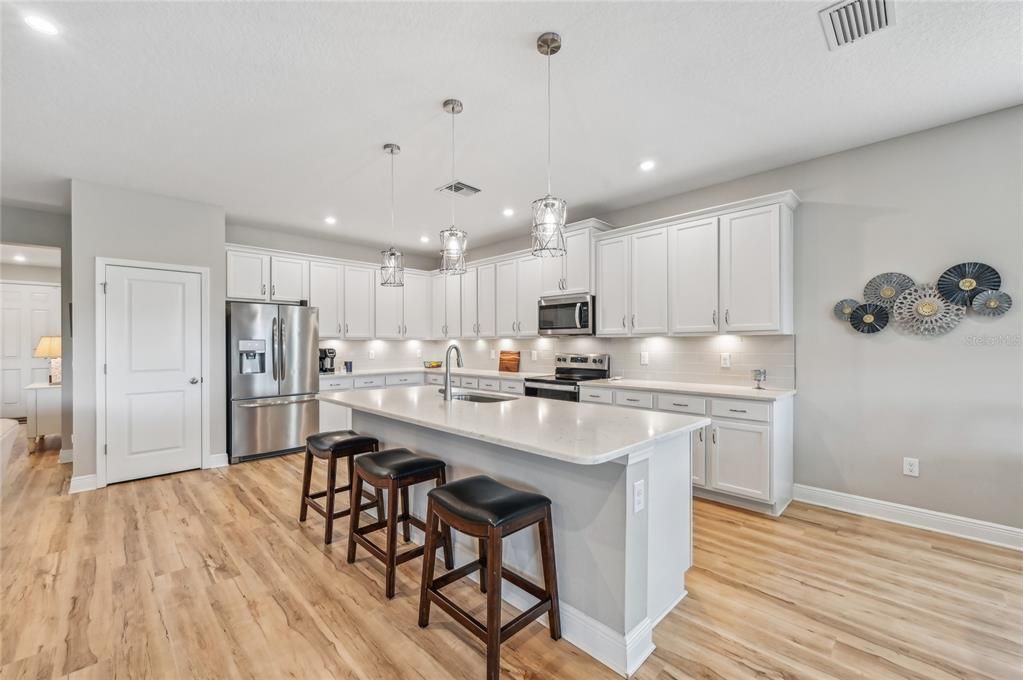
447	369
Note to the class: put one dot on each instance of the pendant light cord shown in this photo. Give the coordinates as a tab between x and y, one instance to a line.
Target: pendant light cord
548	122
392	198
451	198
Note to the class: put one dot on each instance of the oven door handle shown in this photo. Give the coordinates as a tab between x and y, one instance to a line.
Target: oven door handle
548	386
578	311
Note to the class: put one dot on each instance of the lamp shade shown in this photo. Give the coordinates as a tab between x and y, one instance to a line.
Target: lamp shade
48	347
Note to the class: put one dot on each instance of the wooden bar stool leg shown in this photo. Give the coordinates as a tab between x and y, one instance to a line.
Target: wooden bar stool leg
494	558
429	556
550	575
405	535
328	533
307	478
392	536
353	517
449	554
482	542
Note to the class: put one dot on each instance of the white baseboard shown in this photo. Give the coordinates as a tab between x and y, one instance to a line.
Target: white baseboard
217	460
921	518
67	455
82	483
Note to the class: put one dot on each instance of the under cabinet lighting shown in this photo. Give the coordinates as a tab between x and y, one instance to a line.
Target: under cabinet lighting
19	258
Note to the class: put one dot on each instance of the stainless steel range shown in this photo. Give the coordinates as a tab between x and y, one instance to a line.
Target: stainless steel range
569	371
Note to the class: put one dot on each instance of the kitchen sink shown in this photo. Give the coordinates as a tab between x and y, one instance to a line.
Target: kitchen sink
480	398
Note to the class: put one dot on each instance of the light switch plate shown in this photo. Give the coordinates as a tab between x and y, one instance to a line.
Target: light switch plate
639	496
419	354
911	467
644	358
372	354
726	360
493	354
533	354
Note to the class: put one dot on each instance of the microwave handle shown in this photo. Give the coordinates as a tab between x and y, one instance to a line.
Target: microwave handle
578	309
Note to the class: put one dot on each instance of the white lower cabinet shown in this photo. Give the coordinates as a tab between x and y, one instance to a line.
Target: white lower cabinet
699	448
740	459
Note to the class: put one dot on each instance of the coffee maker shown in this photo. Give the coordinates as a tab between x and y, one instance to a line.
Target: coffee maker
327	359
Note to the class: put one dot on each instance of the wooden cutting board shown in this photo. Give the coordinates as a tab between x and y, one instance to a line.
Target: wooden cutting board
509	361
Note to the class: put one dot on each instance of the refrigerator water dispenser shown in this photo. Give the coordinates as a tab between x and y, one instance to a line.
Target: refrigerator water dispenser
251	356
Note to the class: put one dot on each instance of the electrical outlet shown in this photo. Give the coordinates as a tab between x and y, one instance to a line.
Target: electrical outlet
493	354
644	358
372	354
726	360
533	354
911	467
419	354
639	496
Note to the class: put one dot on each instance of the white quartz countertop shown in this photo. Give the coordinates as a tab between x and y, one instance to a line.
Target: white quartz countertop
483	372
710	390
584	434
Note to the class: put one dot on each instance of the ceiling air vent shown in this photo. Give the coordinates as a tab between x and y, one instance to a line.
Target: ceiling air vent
459	189
851	20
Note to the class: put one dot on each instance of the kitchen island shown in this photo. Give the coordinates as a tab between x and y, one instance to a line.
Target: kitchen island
619	480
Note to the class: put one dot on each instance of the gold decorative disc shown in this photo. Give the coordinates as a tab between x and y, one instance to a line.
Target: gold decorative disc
868	318
847	310
992	303
968	284
927	308
887	292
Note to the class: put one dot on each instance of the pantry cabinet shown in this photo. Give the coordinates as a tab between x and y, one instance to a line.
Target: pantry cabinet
248	276
325	293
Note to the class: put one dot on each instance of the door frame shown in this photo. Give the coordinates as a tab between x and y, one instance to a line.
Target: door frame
207	459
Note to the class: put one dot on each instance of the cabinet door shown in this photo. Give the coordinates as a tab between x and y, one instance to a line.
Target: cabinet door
438	316
358	295
528	295
577	263
289	279
389	305
469	310
486	302
693	276
699	448
612	286
506	293
453	306
417	307
740	459
552	275
248	276
325	295
649	283
751	270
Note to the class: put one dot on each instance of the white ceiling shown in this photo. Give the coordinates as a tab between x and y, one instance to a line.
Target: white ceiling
278	111
31	256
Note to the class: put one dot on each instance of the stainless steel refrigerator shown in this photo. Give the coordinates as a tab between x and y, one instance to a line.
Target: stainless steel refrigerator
273	378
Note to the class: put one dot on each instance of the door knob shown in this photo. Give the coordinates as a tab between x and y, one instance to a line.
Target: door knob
194	381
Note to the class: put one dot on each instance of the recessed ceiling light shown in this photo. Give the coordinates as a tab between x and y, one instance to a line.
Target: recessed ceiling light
42	25
508	212
424	239
647	166
19	258
330	219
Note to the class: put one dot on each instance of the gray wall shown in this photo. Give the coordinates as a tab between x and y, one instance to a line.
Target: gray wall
22	272
118	223
267	237
35	227
916	204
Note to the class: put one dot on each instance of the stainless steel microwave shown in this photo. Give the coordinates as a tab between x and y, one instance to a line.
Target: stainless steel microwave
566	315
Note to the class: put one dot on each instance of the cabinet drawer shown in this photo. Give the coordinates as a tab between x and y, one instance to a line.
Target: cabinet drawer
596	395
513	386
490	384
743	410
434	379
471	382
682	403
634	399
456	381
405	379
328	384
370	381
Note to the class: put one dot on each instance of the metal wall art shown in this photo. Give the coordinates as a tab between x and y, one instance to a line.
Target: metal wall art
926	309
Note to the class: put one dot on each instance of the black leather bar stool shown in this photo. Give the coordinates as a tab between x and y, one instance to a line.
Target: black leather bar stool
330	446
393	470
488	510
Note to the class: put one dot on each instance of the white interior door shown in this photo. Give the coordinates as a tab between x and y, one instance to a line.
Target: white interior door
27	313
154	368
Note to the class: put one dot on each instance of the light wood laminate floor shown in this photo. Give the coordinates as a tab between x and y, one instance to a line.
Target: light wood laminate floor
209	575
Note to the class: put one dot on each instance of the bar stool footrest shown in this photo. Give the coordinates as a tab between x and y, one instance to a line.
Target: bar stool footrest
471	623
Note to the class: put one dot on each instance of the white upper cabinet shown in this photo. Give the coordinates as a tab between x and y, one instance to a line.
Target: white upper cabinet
390	316
693	276
612	286
552	275
572	273
417	307
528	295
438	317
469	303
486	302
648	276
359	285
453	306
289	279
506	295
325	294
248	276
756	271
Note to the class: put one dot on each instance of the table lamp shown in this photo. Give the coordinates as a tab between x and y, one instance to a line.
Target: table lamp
49	348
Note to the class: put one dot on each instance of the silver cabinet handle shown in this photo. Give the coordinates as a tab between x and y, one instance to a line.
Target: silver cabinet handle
404	329
675	403
737	410
346	328
273	348
714	436
633	320
623	321
193	381
714	317
629	399
399	329
273	289
728	321
263	289
339	328
701	434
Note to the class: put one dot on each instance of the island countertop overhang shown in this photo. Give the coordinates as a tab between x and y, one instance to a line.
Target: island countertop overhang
578	433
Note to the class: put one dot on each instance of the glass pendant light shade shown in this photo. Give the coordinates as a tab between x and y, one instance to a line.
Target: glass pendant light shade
392	271
453	243
548	234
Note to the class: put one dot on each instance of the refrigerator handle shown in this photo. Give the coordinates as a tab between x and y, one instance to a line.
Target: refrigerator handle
282	348
273	348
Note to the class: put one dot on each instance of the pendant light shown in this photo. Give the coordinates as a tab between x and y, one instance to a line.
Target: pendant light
453	240
392	270
549	212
